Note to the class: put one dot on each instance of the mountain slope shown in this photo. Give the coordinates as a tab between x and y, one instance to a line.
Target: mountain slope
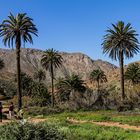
73	63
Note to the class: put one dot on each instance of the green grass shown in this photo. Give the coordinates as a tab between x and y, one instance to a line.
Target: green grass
101	116
89	131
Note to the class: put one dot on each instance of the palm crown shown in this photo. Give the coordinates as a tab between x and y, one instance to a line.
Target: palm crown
98	75
21	25
40	75
71	82
51	58
69	85
133	73
120	39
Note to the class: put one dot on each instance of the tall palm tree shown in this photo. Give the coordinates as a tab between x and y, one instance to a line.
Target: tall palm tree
16	30
51	60
1	64
99	76
70	84
40	75
121	41
132	73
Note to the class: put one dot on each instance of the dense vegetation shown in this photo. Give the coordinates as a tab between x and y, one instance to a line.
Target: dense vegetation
120	41
17	131
71	93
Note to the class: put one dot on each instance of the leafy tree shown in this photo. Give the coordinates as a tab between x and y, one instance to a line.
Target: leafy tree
132	73
36	90
40	75
51	60
7	88
121	41
99	76
26	83
40	94
15	30
70	84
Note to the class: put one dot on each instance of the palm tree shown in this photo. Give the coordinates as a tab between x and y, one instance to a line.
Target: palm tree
51	60
121	41
132	73
40	75
15	30
99	76
1	64
70	84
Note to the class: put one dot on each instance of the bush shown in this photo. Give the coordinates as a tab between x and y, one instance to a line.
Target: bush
31	101
122	108
15	131
7	88
26	100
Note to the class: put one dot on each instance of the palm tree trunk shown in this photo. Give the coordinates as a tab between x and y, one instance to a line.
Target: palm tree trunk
122	75
18	45
52	77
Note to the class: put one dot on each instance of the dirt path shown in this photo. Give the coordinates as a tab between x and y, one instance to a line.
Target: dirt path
36	120
110	124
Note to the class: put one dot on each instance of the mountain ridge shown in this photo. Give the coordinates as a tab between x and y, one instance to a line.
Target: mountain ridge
76	62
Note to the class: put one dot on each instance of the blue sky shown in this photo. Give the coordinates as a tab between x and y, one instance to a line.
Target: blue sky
74	25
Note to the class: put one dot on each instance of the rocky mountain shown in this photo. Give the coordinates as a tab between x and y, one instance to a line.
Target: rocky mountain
72	63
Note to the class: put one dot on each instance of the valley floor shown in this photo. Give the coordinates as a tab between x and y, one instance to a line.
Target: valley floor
98	125
90	125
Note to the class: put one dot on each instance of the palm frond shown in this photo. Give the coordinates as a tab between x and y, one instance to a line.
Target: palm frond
119	38
21	24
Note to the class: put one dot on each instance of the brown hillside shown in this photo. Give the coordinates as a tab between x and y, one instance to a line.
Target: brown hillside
73	62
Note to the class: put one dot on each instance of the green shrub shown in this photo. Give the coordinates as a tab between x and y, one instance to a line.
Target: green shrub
15	131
